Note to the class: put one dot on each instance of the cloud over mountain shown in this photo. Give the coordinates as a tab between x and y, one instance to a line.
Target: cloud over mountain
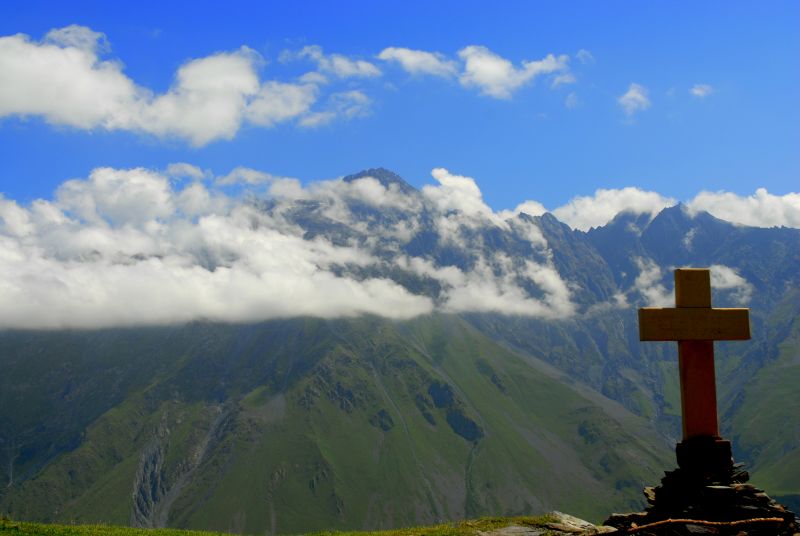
584	212
762	209
121	247
130	246
139	246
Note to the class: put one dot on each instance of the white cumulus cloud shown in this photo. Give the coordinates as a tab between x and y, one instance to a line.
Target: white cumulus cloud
727	278
561	79
497	77
64	80
369	190
277	102
65	83
649	284
346	104
420	61
207	101
762	209
335	64
634	100
79	37
701	90
121	197
183	170
483	290
462	195
531	208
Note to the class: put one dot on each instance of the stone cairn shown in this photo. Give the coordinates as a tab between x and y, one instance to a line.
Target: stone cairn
707	494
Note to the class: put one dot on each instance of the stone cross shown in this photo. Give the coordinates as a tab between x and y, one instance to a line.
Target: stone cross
695	325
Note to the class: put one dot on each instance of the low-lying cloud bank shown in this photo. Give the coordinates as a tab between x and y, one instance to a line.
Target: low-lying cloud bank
139	246
651	287
762	209
129	247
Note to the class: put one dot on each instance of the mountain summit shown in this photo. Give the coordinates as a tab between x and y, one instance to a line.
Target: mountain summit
385	177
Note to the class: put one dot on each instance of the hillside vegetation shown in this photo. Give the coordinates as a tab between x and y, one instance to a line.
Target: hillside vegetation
463	528
309	425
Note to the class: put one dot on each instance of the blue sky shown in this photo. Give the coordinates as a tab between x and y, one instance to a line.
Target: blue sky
536	142
132	135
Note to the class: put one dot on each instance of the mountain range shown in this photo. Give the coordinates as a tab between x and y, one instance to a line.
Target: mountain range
523	388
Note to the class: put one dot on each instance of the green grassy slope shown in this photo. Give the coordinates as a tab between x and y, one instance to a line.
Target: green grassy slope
602	351
54	384
766	422
758	381
310	425
24	528
471	527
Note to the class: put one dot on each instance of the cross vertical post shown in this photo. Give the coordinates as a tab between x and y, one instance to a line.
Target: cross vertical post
695	325
696	360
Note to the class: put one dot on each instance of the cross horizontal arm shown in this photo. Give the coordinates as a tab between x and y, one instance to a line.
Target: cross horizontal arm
693	324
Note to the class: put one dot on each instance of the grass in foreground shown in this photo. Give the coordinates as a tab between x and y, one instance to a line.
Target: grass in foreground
461	528
9	527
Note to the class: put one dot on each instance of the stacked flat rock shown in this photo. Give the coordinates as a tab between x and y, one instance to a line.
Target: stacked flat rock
722	504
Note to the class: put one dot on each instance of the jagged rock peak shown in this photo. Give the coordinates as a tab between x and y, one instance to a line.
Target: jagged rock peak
384	176
682	213
549	221
629	220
